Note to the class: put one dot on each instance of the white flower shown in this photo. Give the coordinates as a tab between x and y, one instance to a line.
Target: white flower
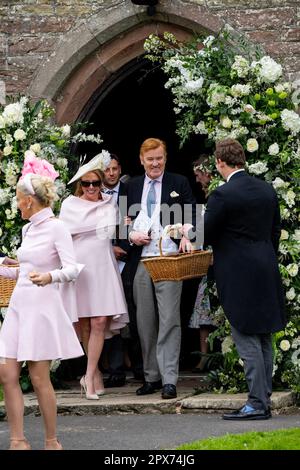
54	365
295	358
200	128
62	162
296	343
35	148
291	294
226	122
278	183
273	149
290	121
19	134
296	235
193	86
284	235
66	131
284	345
292	269
240	90
208	41
269	70
227	344
258	168
289	197
7	150
249	109
240	65
13	113
252	145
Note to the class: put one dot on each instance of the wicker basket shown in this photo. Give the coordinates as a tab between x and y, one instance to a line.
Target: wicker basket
6	288
178	267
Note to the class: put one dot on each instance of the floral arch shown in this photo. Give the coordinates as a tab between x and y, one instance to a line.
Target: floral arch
225	87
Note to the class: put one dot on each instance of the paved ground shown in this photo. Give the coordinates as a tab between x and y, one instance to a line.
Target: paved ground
147	432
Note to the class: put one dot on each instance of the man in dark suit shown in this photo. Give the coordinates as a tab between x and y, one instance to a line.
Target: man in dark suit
157	304
114	347
242	223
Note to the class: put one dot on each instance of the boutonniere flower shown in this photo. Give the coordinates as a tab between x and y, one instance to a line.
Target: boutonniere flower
174	194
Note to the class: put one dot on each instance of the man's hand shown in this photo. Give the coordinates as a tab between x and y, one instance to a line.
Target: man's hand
40	279
119	252
186	246
10	261
139	238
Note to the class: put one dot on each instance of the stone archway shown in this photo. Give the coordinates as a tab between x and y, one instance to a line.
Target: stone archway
91	54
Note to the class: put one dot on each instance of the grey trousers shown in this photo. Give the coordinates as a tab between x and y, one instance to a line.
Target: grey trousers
257	355
158	321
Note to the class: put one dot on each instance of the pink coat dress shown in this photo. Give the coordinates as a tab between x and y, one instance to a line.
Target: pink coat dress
36	325
98	288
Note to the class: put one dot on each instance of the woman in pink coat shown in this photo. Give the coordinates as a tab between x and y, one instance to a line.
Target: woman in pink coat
100	302
36	328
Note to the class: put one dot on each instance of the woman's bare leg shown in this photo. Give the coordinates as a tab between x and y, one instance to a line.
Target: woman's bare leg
93	376
39	372
14	403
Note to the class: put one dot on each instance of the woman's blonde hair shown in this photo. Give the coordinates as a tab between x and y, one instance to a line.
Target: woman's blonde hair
44	190
78	189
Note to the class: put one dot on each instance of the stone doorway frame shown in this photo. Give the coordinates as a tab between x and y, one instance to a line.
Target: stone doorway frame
93	53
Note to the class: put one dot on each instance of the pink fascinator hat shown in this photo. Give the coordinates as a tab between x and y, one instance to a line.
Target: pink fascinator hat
36	166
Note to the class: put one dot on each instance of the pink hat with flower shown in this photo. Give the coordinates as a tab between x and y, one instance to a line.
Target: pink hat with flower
36	166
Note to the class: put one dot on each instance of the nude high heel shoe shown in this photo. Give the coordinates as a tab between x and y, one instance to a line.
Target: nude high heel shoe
88	396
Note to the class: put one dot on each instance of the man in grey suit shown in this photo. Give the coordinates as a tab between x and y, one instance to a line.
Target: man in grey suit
242	223
158	304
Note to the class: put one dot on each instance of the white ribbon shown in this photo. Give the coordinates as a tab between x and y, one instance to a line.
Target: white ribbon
28	184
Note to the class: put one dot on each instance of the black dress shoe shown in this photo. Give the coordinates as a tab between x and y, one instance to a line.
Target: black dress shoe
169	391
247	413
149	387
114	381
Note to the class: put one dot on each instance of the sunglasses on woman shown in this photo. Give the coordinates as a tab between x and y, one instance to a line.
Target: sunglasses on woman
95	184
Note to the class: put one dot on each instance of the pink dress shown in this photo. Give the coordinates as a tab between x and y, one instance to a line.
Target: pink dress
36	326
98	288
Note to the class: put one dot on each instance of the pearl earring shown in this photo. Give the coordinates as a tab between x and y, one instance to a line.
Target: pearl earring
29	206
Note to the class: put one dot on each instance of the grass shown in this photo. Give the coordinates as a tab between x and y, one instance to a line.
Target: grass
281	439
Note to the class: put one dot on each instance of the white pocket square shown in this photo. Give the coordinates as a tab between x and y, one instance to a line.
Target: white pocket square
174	194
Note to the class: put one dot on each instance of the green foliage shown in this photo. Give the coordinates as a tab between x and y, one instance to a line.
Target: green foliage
282	439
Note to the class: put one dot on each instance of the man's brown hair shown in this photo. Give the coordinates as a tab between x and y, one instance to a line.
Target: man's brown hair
231	152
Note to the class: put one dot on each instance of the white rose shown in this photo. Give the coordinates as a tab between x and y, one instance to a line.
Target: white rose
249	109
291	294
19	134
292	269
66	130
252	145
7	150
290	121
258	168
226	122
284	235
284	345
273	149
62	162
270	70
296	235
36	148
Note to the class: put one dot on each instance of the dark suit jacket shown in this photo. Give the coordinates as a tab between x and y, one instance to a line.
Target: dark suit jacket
171	183
242	223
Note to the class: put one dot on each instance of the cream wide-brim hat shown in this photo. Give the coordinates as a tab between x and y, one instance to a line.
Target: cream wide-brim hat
100	162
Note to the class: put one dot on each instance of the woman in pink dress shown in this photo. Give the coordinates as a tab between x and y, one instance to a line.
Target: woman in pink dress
100	301
36	328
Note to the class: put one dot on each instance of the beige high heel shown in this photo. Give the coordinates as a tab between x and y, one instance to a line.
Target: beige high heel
19	444
100	391
55	441
88	396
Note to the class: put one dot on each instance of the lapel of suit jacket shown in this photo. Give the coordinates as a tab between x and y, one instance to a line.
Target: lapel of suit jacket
165	191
